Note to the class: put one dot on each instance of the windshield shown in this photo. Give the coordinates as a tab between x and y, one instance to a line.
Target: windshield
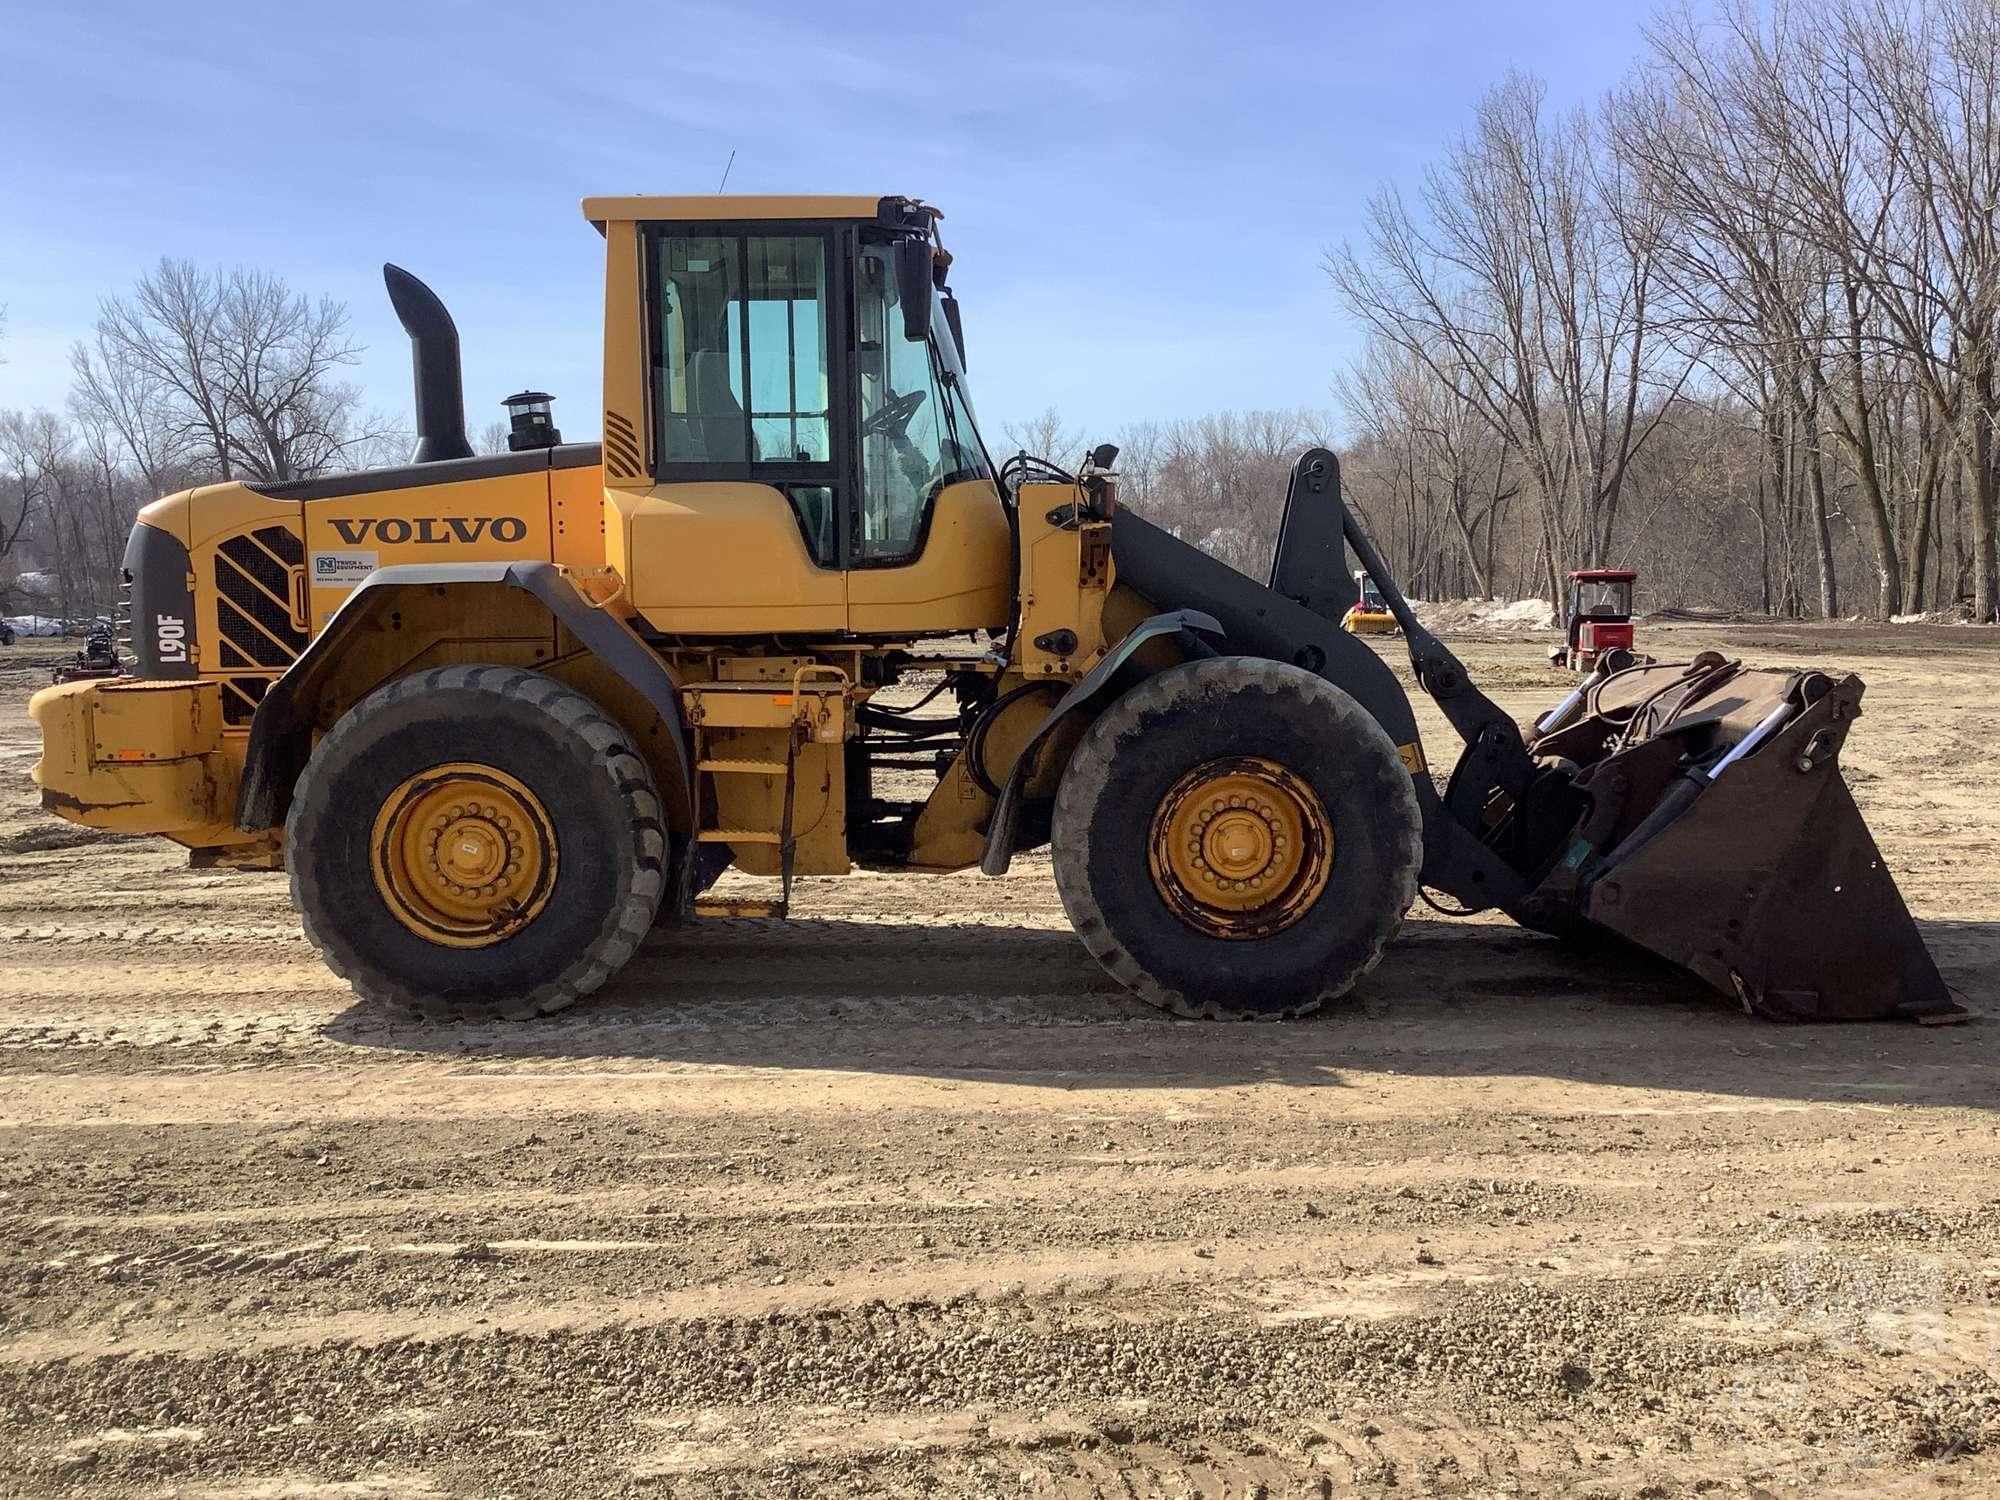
1604	598
917	432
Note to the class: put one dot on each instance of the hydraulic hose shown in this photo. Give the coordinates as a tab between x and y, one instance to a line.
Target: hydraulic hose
975	739
1691	783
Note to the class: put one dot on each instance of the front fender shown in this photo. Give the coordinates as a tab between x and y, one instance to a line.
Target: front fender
1087	693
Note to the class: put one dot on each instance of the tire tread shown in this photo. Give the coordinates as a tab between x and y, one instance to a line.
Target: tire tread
1090	769
633	786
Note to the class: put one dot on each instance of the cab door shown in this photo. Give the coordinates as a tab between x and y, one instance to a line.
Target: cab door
742	534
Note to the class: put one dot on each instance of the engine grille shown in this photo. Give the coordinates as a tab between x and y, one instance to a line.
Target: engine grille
258	634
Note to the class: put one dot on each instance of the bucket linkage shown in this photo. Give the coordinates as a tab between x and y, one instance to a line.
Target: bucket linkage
1695	810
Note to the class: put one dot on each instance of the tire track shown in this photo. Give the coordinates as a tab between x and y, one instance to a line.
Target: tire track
1479	1232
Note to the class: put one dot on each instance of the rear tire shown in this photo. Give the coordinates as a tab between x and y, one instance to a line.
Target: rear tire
1284	739
595	865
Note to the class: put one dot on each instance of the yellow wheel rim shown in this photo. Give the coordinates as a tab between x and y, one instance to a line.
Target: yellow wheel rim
1240	848
463	854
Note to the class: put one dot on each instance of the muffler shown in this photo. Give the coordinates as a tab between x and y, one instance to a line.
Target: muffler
434	366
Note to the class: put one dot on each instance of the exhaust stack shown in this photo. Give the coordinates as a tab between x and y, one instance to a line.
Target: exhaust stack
434	362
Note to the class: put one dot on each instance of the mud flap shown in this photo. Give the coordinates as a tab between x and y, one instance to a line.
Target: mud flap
1770	888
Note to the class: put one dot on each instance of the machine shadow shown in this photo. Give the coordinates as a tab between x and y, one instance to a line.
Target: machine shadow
1027	1006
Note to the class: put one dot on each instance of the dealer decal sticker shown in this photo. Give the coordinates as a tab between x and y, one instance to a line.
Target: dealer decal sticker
342	570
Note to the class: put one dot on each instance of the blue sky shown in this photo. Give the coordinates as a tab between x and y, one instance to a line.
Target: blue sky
1138	195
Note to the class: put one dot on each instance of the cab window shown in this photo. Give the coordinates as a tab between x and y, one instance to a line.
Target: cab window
741	367
916	432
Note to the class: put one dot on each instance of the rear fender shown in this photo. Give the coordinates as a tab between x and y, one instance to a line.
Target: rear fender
516	612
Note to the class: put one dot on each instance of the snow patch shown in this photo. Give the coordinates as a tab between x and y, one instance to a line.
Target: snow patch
1486	614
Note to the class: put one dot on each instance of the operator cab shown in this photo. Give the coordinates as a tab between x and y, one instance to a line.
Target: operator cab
1600	618
789	427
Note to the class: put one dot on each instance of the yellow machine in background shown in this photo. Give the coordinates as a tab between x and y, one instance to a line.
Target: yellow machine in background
1368	615
498	717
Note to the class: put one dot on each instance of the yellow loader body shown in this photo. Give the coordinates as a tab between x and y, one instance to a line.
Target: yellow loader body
498	715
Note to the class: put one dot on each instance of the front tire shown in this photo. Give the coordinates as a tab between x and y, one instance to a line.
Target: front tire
476	842
1236	838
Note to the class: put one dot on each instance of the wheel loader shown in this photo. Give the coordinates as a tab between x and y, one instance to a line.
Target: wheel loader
1368	614
502	716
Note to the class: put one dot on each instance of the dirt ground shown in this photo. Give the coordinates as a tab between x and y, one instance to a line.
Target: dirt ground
904	1198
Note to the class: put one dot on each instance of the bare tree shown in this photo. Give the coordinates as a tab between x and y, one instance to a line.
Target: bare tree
382	443
1219	481
1927	92
97	498
1426	470
1527	271
1045	436
241	367
1830	169
113	394
1776	252
31	443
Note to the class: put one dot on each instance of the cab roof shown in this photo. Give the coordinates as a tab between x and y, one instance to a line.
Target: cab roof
709	207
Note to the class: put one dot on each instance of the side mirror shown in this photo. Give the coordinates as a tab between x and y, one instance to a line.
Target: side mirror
913	287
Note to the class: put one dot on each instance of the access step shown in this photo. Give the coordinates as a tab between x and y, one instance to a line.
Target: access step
707	907
742	767
738	836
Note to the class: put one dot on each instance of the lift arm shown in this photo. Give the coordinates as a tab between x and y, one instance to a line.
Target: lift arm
1495	755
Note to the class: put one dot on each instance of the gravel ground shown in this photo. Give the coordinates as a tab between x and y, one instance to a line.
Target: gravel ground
904	1198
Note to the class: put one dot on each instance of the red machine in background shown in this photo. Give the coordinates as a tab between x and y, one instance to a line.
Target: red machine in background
1600	618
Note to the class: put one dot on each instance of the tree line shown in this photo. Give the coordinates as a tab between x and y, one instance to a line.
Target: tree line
196	375
1736	325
